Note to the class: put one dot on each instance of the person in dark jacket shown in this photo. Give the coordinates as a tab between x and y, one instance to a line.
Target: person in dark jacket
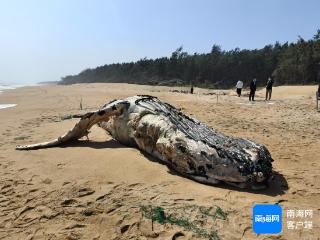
269	89
253	88
318	96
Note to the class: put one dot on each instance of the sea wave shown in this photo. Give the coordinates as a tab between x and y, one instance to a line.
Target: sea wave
3	106
6	87
3	88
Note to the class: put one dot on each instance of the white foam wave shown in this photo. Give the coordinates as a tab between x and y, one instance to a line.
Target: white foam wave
2	106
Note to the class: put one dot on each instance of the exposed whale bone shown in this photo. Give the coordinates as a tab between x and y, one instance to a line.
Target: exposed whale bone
183	143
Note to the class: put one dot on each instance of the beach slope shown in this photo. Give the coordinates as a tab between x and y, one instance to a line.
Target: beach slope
100	189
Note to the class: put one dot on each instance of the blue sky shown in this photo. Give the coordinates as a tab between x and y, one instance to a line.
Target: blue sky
44	40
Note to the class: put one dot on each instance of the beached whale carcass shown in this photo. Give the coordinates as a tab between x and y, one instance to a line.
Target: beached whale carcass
183	143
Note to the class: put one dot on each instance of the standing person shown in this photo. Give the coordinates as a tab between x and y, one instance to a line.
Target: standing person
269	89
239	87
318	96
191	90
253	88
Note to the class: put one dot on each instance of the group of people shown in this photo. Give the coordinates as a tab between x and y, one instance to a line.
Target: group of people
253	88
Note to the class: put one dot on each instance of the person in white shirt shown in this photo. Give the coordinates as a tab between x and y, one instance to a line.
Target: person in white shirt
239	87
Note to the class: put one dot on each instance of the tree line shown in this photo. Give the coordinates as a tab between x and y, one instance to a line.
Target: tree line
294	63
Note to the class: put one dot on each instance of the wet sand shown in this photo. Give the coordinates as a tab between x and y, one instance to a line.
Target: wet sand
95	189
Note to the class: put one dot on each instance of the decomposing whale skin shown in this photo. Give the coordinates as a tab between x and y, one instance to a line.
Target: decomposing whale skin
186	145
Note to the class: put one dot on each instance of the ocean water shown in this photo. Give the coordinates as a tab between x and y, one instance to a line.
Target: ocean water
6	88
2	106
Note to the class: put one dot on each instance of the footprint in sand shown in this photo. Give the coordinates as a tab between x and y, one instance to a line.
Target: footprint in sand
69	202
47	181
90	212
60	165
85	192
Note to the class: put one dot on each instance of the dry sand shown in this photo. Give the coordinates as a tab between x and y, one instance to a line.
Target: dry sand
94	190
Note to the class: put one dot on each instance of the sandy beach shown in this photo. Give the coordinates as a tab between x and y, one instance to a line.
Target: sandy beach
95	189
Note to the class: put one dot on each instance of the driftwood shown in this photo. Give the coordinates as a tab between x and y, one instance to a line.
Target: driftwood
183	143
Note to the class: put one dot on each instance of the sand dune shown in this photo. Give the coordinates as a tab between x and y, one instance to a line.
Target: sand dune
97	189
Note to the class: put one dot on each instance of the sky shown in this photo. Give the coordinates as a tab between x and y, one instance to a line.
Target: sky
42	40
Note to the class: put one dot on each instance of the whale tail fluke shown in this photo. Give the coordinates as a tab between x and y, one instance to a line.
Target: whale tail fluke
81	129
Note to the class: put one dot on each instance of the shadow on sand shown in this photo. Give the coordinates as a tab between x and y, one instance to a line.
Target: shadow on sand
277	186
93	144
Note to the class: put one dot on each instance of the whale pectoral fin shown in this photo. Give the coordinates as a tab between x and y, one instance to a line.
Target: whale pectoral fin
81	128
